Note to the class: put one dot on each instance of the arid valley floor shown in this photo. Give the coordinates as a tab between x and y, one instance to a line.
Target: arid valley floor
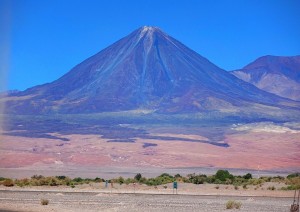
258	147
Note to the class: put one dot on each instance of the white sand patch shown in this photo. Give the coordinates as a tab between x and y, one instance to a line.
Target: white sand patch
264	127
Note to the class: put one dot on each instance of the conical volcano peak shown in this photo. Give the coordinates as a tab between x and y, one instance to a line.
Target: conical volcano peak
150	28
148	69
149	31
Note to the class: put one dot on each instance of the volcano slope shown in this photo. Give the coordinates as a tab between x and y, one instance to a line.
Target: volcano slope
274	74
149	101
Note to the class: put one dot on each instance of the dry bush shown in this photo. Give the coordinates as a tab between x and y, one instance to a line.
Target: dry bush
231	204
8	183
44	202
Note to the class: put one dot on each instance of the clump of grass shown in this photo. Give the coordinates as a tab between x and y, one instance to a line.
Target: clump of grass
231	204
44	202
236	187
238	205
245	186
271	188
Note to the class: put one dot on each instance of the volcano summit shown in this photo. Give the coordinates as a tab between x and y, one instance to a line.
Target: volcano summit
147	70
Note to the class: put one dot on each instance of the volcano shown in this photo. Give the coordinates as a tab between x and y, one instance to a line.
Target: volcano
146	70
275	74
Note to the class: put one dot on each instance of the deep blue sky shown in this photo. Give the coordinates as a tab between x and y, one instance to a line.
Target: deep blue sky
49	37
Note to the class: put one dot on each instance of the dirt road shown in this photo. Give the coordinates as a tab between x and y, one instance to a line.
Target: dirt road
94	201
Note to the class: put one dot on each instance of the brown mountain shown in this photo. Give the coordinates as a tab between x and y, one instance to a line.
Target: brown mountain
277	75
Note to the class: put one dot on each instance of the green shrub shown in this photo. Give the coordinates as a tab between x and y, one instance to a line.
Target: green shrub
291	187
266	179
228	181
61	177
160	180
297	174
247	176
210	179
294	181
256	181
277	179
218	181
177	176
98	180
23	182
138	177
120	180
128	181
37	177
239	181
78	180
2	179
197	179
52	181
166	175
222	175
142	180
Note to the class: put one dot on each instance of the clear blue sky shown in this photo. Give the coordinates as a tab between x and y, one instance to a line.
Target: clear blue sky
46	38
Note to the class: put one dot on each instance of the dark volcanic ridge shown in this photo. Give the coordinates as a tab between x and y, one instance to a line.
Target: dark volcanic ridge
147	70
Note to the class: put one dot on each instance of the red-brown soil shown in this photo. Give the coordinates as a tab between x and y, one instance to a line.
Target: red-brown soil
247	150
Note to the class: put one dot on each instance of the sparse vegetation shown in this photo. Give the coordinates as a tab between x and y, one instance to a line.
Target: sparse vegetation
231	204
223	177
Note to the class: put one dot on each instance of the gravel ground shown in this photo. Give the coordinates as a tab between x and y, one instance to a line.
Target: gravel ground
95	201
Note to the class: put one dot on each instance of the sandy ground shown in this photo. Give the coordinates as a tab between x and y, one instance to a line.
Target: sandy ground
250	150
95	197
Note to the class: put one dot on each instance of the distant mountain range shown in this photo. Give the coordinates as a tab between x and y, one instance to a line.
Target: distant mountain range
277	75
151	71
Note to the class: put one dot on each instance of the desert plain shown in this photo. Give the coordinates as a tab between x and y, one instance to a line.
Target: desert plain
125	149
254	147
